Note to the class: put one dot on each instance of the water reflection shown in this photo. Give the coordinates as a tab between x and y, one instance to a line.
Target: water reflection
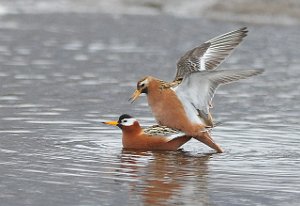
164	177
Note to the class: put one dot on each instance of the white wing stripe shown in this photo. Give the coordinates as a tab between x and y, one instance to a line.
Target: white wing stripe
210	54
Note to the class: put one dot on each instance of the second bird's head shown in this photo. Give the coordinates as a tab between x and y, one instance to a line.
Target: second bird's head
141	87
125	122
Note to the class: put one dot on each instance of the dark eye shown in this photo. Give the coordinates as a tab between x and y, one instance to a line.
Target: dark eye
124	120
142	85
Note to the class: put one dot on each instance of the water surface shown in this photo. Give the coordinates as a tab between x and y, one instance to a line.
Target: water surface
62	74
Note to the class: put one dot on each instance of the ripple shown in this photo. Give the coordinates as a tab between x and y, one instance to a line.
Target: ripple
16	63
40	113
95	47
7	151
98	82
81	57
60	109
89	75
4	49
90	128
10	98
56	122
23	51
15	131
42	62
30	76
109	131
16	118
2	74
23	106
73	46
75	77
34	171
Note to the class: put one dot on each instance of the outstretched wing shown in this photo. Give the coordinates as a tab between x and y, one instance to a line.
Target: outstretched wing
197	89
210	54
159	130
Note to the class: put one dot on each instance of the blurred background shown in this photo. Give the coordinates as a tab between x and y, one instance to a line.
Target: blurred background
256	11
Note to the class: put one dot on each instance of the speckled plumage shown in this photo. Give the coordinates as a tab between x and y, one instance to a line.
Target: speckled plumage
161	130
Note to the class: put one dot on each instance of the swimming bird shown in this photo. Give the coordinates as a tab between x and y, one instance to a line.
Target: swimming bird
155	137
184	103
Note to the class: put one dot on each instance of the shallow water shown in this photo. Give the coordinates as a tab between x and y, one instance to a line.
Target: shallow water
61	75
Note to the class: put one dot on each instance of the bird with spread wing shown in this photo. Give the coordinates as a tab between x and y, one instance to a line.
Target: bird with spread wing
184	103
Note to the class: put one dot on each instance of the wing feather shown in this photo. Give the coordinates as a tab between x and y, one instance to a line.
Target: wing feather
210	54
197	89
159	130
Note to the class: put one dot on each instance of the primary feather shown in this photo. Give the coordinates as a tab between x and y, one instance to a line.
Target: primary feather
210	54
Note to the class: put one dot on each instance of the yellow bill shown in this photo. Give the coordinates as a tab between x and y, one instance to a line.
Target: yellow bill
114	123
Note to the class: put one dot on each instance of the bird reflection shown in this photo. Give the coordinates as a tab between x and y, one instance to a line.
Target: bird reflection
160	178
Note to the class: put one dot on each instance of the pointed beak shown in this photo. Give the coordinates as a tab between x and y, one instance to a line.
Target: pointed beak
114	123
135	95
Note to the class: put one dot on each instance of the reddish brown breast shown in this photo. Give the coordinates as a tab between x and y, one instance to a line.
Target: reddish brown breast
166	107
131	136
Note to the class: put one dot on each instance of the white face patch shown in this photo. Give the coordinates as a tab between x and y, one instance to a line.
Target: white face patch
128	122
144	83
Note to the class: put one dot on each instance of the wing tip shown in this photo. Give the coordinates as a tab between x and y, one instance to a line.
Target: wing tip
248	72
244	29
241	32
258	71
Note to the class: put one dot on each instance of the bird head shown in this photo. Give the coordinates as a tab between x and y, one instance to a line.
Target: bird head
125	121
141	87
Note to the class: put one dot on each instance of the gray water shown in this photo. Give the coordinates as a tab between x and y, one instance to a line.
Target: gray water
62	74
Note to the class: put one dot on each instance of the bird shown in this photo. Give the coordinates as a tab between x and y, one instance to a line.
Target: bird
184	103
155	137
206	57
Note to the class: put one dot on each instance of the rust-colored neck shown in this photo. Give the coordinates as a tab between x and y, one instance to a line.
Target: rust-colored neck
133	129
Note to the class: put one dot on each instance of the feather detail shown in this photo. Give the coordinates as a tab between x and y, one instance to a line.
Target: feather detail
158	130
211	54
197	89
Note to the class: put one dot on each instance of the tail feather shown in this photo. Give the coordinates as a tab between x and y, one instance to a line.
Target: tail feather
205	138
